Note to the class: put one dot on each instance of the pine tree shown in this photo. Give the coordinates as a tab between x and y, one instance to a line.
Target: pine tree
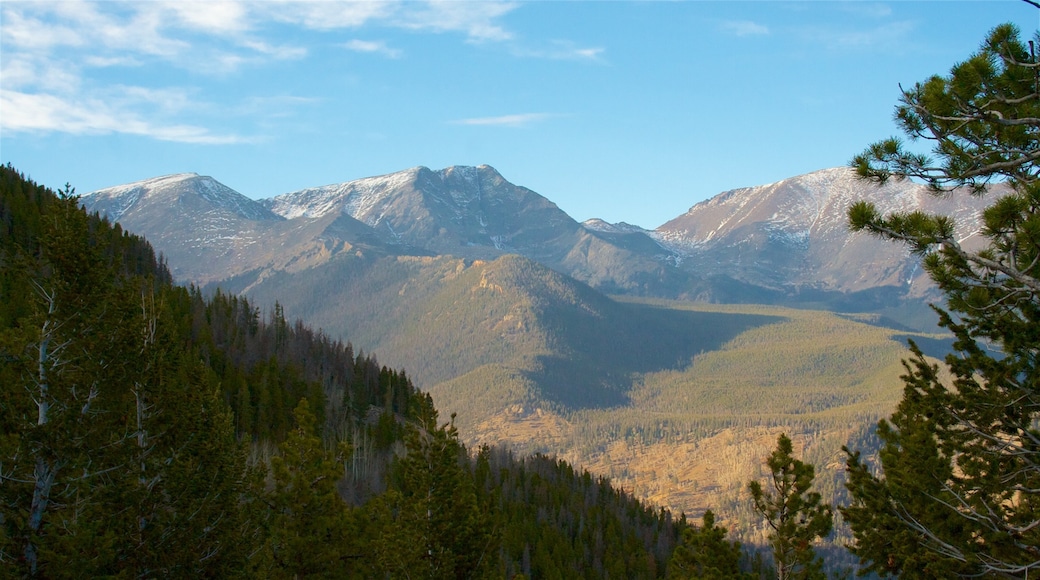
432	523
309	529
959	487
796	515
705	552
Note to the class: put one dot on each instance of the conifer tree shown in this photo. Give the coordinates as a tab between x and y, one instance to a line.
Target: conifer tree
796	515
959	489
433	524
705	552
309	529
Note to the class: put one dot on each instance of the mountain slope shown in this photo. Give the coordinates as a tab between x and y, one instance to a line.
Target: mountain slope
793	234
458	210
473	212
785	242
469	212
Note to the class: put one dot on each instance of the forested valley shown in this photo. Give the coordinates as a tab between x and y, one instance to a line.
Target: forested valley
151	430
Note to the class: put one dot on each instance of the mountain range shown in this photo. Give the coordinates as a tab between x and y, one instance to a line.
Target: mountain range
784	242
608	344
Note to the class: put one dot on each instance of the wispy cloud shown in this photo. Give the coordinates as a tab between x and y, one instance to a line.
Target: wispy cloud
561	50
372	47
214	17
517	120
744	28
54	53
896	35
479	21
49	113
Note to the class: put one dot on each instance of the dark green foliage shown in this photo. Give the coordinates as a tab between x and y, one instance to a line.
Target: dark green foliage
705	552
117	453
981	120
123	398
795	514
958	492
430	522
914	472
309	527
556	522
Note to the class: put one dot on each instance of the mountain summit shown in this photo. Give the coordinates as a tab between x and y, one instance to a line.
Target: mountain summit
471	211
198	223
194	193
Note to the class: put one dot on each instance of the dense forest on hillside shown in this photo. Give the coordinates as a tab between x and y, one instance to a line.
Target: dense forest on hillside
152	430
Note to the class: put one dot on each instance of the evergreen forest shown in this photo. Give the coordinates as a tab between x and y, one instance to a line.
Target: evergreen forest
152	430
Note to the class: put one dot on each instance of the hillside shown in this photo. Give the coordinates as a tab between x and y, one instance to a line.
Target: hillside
154	431
690	434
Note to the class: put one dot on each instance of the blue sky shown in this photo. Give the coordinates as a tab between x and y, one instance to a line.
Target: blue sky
626	111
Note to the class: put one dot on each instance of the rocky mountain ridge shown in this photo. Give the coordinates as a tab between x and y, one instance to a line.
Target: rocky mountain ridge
794	232
778	243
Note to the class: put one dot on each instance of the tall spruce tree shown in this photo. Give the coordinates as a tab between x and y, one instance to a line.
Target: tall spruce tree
705	552
958	493
309	532
796	515
431	522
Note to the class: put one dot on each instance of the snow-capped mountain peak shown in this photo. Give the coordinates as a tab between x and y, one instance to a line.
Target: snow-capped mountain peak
182	188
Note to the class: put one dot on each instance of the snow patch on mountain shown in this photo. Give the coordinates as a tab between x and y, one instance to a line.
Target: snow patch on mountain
598	225
359	198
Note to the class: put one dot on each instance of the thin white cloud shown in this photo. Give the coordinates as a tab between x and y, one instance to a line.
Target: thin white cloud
49	113
896	35
372	47
744	28
517	120
53	52
589	53
327	15
561	50
476	19
279	52
214	16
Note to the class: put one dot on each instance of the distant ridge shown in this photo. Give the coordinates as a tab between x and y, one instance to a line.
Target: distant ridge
793	234
783	243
